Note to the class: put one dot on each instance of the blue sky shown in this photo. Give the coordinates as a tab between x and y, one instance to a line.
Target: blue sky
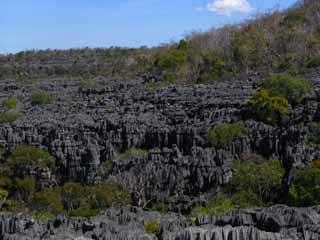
42	24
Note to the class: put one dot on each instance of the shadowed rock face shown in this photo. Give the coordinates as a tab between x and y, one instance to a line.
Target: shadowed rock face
85	129
275	223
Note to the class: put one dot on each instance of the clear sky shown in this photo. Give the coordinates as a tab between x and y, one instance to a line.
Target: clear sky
42	24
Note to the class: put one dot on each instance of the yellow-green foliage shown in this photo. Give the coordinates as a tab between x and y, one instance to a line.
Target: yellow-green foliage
30	156
152	227
43	216
269	109
132	153
106	195
217	206
41	98
225	133
48	200
9	117
10	103
88	201
293	89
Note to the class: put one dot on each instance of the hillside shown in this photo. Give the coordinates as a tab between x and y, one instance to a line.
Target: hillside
213	137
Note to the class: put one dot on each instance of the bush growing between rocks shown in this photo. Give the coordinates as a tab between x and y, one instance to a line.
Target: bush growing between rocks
30	156
263	179
152	227
48	200
217	206
305	188
293	89
41	98
225	133
10	103
263	107
314	134
9	117
86	85
132	153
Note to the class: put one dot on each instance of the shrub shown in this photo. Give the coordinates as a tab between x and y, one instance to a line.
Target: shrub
41	98
86	85
314	134
43	216
9	117
30	156
48	200
152	227
316	163
25	187
160	207
305	189
132	153
10	103
217	206
84	212
225	133
73	195
246	199
263	107
3	197
15	206
263	179
108	194
314	62
286	86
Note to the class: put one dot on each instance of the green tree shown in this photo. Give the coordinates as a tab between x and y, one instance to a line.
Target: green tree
264	179
48	200
286	86
25	187
266	108
305	189
73	195
23	156
225	133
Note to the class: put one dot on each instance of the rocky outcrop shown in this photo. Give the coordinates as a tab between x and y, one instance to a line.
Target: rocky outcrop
85	129
276	223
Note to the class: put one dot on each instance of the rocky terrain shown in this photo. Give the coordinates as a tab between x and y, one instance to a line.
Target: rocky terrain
275	223
84	129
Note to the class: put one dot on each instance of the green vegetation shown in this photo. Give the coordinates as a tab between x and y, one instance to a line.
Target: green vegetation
291	88
41	98
314	134
3	197
263	179
10	103
86	85
31	156
268	109
305	189
217	206
225	133
9	117
152	227
271	103
253	184
48	201
132	153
